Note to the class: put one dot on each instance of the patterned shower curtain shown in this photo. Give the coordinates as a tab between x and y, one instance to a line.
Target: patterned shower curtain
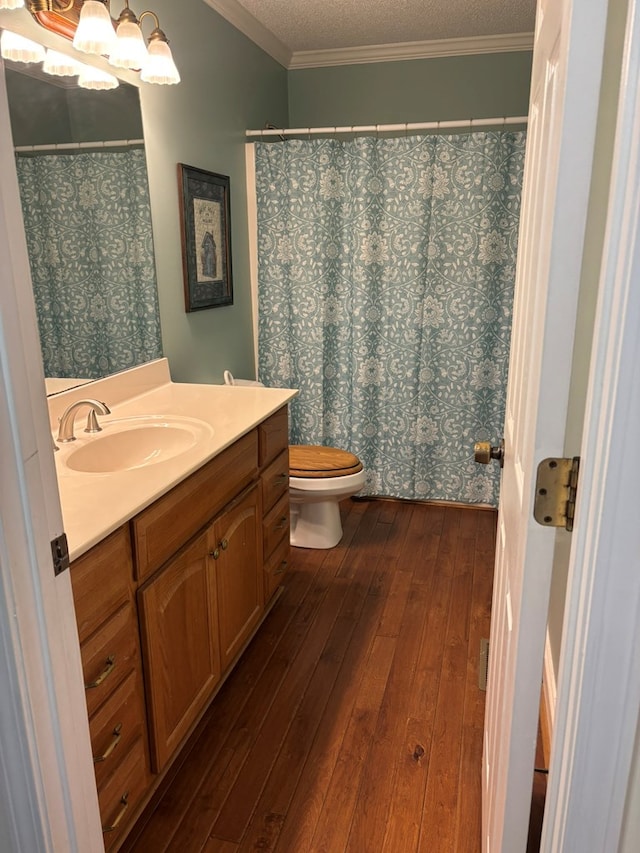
88	225
386	273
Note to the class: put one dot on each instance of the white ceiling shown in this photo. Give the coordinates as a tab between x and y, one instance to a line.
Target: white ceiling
304	33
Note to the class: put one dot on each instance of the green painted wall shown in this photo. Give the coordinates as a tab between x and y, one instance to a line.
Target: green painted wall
42	112
228	84
446	88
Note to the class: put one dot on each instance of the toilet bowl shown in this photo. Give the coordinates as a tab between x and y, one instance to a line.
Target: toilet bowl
320	477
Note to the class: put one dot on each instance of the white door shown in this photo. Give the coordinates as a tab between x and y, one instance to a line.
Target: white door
562	118
47	784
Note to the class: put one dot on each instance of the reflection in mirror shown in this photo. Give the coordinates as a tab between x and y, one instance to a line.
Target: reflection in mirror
83	185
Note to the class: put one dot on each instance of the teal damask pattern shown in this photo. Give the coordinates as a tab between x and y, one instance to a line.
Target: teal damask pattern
386	275
88	226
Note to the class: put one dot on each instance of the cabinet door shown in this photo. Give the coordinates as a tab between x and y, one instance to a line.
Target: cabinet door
238	545
180	645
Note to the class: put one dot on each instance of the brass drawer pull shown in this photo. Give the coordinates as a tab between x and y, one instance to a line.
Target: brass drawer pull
281	479
124	802
117	735
215	553
284	522
224	544
111	662
282	568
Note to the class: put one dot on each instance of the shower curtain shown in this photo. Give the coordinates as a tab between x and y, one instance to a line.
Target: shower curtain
385	287
88	228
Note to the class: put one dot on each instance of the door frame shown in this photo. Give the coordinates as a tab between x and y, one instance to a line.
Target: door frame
47	785
598	706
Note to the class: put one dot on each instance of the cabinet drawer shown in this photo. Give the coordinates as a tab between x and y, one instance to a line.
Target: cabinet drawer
275	568
273	435
164	527
122	793
108	656
101	581
275	525
116	726
275	480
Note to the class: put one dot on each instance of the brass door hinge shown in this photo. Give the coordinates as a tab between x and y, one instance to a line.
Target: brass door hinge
60	554
556	485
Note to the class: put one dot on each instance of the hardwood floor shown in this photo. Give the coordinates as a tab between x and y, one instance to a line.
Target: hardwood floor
354	720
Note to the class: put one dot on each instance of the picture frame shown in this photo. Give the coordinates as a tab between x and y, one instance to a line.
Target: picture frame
205	221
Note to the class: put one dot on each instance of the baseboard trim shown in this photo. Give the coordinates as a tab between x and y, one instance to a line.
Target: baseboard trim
548	703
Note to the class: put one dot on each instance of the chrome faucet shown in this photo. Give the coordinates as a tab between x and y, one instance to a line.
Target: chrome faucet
65	431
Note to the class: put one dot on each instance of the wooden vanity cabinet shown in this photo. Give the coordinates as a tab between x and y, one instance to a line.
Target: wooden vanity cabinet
166	604
273	444
179	627
236	549
102	583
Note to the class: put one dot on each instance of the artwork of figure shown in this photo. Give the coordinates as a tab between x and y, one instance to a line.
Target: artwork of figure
208	238
209	255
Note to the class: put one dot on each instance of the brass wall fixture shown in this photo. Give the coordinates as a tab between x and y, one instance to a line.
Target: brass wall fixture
89	25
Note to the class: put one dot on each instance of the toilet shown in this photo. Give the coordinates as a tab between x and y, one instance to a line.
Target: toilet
319	478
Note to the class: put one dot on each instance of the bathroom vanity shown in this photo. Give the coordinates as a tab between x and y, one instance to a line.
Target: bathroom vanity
175	564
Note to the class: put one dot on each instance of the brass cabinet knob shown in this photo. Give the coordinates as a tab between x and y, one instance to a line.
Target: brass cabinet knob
224	544
215	553
483	452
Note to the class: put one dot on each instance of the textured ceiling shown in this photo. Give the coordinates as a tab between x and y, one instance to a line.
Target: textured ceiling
304	25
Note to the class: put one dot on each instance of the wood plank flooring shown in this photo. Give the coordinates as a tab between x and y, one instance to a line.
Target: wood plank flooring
353	722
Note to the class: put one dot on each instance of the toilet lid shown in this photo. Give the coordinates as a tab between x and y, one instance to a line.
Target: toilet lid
310	460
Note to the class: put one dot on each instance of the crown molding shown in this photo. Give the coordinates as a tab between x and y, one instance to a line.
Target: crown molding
238	16
412	50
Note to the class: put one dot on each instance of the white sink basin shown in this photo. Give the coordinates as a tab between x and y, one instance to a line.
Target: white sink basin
136	443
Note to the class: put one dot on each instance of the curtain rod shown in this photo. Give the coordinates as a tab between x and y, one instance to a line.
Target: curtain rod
70	146
383	128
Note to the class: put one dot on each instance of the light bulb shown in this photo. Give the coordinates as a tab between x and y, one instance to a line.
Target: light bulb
60	65
159	67
20	49
130	51
94	78
95	33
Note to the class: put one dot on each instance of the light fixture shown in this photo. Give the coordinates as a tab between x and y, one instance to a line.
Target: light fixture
19	49
130	50
59	65
95	33
122	42
159	67
93	78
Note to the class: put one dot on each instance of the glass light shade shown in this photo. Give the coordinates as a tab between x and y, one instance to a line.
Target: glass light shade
60	65
11	4
159	67
95	33
130	51
94	78
19	49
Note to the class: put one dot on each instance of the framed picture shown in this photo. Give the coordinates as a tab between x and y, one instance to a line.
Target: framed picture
205	217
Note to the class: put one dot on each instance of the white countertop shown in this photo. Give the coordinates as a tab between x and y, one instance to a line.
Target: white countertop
95	504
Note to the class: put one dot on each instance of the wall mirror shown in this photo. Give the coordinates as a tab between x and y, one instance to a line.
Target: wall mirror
83	183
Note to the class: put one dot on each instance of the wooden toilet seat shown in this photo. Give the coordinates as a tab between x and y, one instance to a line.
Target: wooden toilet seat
311	460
